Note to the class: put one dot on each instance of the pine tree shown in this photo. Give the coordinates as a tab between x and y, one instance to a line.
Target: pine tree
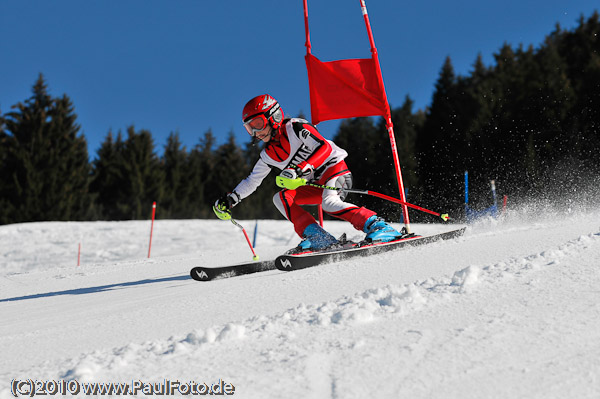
195	184
360	138
406	125
203	163
128	176
178	176
6	207
581	49
46	166
143	176
440	167
478	133
229	168
107	177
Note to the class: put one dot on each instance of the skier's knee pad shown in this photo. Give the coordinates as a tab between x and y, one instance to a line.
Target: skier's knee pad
343	182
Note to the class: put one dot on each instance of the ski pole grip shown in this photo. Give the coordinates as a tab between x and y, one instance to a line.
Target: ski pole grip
290	184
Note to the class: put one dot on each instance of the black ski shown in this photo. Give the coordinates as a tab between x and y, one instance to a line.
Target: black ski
201	273
304	260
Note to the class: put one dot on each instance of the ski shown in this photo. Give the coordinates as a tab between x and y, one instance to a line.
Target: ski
303	260
201	273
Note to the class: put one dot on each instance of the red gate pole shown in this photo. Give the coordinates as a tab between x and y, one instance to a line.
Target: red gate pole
151	227
387	116
307	45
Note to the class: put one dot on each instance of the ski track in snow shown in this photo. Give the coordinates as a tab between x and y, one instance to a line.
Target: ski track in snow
509	310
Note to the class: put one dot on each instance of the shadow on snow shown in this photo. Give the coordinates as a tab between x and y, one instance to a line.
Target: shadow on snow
100	288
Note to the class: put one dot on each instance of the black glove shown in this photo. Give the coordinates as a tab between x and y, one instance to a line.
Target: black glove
227	201
223	205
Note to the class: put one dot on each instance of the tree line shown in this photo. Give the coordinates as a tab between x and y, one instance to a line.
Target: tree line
530	121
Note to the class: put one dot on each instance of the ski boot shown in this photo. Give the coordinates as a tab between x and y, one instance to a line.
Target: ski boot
315	238
379	231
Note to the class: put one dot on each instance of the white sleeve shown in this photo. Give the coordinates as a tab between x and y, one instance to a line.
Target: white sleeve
251	183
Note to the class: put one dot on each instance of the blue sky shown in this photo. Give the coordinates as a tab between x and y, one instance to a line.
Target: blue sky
189	66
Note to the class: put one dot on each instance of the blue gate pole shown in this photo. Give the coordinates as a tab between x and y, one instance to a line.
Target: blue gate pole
255	232
466	190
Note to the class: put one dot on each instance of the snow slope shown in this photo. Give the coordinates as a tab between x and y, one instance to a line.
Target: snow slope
510	310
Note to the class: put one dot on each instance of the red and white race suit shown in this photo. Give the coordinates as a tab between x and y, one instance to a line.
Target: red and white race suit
297	143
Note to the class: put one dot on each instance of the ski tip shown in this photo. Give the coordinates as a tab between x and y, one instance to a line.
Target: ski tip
199	274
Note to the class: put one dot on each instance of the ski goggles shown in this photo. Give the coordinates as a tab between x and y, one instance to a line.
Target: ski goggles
256	124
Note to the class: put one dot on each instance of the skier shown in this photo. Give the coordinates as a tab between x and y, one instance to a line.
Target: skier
296	148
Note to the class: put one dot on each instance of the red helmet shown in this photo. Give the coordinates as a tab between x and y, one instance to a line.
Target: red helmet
260	110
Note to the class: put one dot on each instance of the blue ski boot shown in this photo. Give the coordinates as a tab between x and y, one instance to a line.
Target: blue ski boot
315	238
379	231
